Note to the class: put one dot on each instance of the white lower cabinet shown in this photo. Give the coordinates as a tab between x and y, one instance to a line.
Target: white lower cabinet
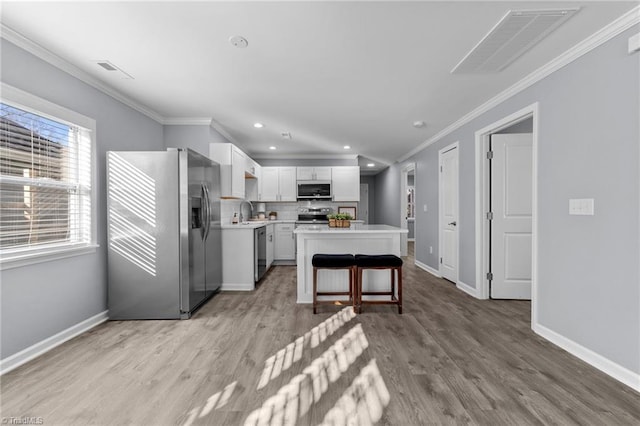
270	244
285	244
238	264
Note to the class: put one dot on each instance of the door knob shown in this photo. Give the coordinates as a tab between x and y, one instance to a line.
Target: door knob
453	223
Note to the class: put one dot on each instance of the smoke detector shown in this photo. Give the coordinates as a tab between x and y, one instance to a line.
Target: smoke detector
419	124
285	135
238	41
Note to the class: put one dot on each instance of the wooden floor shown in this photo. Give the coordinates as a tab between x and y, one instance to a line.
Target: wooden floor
258	358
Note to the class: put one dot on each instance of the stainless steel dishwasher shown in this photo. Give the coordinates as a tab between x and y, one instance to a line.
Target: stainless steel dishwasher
260	252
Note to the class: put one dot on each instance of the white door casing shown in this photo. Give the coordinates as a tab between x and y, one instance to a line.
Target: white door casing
448	212
406	169
511	225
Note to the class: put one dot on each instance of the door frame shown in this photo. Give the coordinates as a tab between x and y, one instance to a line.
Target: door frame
483	201
455	145
403	204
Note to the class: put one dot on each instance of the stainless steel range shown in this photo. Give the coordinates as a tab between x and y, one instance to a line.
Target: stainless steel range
313	215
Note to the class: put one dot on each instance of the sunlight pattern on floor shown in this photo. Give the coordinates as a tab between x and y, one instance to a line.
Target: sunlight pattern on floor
292	353
363	402
215	401
295	399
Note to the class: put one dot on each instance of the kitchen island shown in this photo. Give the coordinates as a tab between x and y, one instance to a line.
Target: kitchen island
357	239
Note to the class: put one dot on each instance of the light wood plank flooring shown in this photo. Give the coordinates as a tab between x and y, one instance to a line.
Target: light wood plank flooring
261	359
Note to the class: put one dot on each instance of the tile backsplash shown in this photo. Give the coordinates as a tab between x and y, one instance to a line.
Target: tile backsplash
286	211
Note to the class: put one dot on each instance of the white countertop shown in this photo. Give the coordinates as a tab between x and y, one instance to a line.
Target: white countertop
354	228
254	224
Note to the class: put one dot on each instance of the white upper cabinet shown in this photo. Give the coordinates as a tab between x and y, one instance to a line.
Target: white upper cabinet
238	164
269	187
252	169
232	168
287	183
345	183
314	173
278	184
253	180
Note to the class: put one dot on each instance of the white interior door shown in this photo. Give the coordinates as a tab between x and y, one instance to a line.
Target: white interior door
363	204
448	188
511	201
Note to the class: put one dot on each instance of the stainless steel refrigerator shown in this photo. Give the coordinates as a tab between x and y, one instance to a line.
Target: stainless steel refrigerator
164	235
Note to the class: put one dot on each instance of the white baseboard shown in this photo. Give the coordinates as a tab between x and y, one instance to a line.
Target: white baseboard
237	287
428	268
33	351
603	364
284	263
468	289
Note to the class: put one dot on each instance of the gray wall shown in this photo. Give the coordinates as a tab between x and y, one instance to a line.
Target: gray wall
41	300
524	126
588	148
371	181
195	137
387	198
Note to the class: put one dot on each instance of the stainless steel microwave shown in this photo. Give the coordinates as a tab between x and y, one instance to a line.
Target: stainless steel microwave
314	189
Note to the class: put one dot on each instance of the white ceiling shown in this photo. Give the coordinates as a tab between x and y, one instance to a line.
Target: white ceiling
330	73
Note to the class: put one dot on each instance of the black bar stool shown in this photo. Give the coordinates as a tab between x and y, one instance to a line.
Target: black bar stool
381	261
333	261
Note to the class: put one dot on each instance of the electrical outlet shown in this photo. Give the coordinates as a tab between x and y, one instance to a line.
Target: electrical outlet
424	208
581	206
430	249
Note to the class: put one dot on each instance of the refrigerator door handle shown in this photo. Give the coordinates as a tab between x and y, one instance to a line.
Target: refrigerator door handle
207	201
203	213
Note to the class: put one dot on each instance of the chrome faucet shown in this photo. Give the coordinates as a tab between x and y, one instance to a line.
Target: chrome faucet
250	209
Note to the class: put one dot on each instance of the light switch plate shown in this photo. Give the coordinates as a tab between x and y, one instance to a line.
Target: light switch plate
581	206
424	208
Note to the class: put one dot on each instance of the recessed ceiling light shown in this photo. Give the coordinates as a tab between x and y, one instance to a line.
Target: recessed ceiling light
370	165
346	147
258	125
238	41
418	124
272	147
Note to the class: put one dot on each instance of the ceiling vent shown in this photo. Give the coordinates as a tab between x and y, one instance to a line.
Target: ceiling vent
108	66
517	32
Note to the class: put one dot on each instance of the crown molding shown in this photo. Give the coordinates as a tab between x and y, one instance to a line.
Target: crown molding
304	157
187	121
218	128
605	34
58	62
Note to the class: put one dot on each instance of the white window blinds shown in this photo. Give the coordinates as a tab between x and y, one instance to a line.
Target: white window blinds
45	182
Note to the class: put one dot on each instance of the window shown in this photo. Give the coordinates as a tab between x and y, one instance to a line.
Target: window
46	198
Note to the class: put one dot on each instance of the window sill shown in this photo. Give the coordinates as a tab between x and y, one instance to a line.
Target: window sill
26	259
